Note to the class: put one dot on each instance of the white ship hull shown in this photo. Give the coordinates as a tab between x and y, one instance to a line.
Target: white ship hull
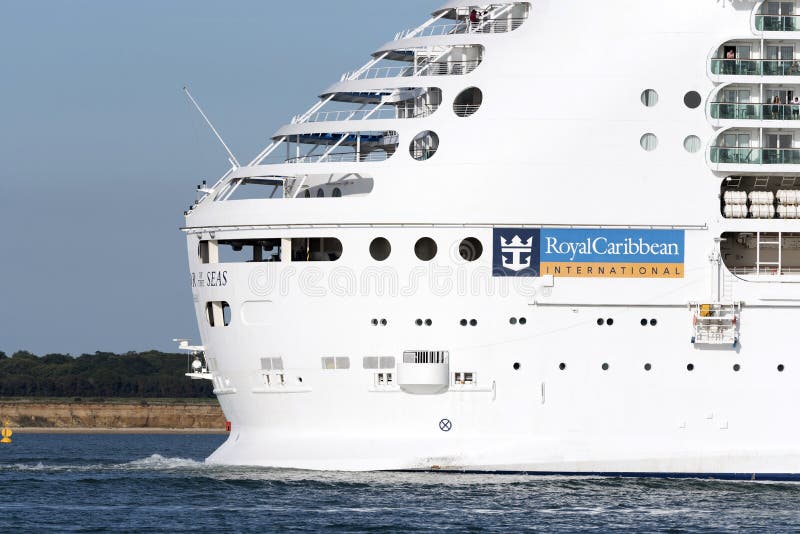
673	361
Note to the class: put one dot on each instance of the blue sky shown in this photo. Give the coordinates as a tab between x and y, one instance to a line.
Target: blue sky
100	152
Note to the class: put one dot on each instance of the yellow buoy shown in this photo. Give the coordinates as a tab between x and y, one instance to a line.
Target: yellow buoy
6	433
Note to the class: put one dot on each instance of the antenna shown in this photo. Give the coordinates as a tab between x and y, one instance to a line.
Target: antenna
231	157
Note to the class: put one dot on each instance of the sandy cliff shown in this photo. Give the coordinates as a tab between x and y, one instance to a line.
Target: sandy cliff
112	415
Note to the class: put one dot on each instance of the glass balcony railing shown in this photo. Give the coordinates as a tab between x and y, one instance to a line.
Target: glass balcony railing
755	156
778	23
755	67
774	112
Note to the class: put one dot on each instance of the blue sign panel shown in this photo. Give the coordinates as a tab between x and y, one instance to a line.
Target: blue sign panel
516	251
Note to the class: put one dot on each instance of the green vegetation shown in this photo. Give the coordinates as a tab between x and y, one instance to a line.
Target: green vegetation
151	375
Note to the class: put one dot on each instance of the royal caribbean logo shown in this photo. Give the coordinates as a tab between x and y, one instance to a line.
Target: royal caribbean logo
589	253
516	251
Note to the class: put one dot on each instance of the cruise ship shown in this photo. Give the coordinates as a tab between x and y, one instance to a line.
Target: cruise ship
545	237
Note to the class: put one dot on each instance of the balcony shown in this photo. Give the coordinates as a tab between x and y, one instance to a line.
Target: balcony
755	111
755	67
755	156
434	68
778	23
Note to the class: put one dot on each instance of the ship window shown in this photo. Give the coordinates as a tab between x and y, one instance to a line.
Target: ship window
781	368
249	250
337	193
601	322
320	193
379	362
307	194
649	97
610	322
330	363
424	145
271	364
380	249
316	249
692	99
737	367
606	367
523	321
464	322
649	142
517	366
425	249
468	102
692	144
643	322
218	313
648	367
562	366
690	367
253	189
513	320
653	322
473	322
470	249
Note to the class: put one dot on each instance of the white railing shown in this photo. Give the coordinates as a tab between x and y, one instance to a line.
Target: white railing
368	114
764	271
343	157
464	27
436	68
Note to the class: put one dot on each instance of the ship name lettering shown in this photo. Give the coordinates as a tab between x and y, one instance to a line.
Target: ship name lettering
601	246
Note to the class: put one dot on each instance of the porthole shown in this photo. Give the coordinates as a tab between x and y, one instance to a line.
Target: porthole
610	322
643	322
523	321
418	322
601	322
473	322
426	249
380	249
470	249
337	193
374	322
781	368
649	142
649	97
606	367
562	366
384	322
692	144
464	322
653	322
320	193
428	322
513	320
648	367
737	367
690	367
307	194
692	99
468	102
517	366
424	145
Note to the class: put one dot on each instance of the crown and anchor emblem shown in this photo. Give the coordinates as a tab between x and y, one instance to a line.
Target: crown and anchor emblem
516	253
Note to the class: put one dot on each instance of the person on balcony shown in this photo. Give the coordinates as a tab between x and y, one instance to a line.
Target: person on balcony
796	107
775	109
730	66
473	19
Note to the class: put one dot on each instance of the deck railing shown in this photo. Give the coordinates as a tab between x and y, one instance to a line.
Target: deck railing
343	157
752	111
755	67
465	27
755	156
435	68
369	114
778	23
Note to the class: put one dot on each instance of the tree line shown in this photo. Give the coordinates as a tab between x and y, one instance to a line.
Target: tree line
150	374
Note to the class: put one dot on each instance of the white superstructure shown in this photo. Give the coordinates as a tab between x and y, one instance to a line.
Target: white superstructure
555	236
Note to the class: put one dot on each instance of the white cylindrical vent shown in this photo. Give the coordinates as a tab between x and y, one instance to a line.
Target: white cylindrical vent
790	197
735	197
762	197
735	211
762	211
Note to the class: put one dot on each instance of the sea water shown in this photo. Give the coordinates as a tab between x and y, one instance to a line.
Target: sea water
154	483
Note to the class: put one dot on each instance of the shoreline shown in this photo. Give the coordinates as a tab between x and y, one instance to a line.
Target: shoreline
132	431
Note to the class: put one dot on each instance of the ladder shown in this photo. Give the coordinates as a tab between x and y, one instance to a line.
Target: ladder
761	245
